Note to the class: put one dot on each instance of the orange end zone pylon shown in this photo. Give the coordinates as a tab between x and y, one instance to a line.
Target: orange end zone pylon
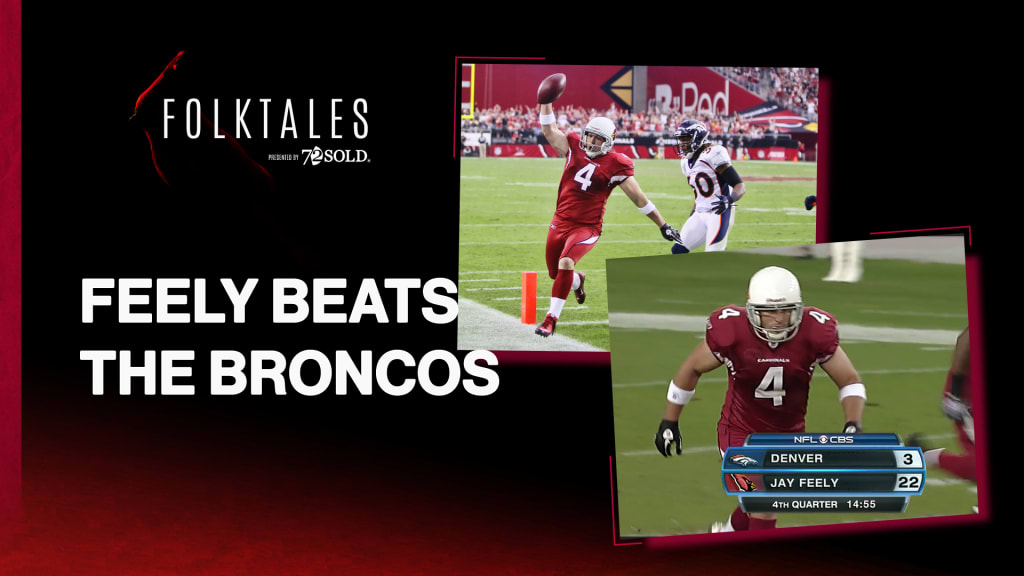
528	307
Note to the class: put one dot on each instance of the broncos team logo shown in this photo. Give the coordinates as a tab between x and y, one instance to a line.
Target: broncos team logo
743	460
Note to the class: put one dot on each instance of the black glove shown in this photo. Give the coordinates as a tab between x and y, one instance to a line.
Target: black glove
810	202
668	433
851	428
722	204
669	233
955	408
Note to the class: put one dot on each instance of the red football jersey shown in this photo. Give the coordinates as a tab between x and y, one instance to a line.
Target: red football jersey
768	387
586	184
965	392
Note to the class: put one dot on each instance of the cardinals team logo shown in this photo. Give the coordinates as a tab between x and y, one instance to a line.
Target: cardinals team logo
743	460
744	483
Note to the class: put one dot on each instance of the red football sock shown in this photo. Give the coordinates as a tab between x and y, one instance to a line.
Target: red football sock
960	464
758	524
562	285
739	520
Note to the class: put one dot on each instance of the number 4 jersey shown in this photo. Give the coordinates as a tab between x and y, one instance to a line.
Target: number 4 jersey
586	184
768	387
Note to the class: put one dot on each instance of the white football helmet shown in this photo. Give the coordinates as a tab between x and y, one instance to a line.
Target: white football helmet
771	289
603	128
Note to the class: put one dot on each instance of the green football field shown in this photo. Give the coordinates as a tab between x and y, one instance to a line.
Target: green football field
898	326
507	204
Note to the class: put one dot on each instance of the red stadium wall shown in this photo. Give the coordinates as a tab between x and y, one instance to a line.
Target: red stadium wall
669	152
773	153
696	88
510	85
519	151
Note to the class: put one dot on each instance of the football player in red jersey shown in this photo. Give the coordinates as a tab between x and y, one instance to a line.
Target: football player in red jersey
957	404
591	171
770	348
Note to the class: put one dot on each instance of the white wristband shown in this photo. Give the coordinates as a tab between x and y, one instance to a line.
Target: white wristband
677	395
546	119
648	208
856	389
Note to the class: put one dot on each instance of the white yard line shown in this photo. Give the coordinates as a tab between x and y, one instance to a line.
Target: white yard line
539	273
657	241
546	224
914	313
684	323
516	299
483	328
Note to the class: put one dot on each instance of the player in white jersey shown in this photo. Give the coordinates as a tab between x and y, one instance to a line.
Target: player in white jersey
716	188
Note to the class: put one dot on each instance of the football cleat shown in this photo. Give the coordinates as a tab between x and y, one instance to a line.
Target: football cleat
581	294
547	327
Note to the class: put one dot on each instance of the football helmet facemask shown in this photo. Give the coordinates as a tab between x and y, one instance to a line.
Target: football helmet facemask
692	135
604	129
773	289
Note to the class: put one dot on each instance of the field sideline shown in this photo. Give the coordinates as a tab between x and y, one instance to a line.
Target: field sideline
506	205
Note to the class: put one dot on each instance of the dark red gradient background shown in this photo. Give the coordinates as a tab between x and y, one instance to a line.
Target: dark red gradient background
515	483
10	262
152	494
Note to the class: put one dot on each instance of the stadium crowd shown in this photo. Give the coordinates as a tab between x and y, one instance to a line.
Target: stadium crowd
519	125
792	88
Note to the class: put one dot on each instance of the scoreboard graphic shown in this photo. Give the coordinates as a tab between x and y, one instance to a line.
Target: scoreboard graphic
775	473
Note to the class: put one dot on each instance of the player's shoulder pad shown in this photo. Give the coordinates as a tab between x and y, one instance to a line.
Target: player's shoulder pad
822	327
716	156
723	325
573	137
621	160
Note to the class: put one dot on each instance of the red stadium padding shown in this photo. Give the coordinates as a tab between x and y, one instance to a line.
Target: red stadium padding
773	153
516	151
635	152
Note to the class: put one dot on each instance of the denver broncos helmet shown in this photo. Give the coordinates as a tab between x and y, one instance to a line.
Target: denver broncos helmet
692	135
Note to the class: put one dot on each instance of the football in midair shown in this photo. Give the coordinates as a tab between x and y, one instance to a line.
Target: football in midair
551	88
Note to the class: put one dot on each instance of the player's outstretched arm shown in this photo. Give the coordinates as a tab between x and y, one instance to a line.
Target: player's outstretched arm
852	393
680	390
632	189
554	136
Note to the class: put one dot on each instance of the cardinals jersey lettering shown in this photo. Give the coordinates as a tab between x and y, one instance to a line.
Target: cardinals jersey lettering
768	387
703	176
586	184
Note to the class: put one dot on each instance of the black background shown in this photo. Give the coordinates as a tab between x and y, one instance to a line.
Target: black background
535	454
